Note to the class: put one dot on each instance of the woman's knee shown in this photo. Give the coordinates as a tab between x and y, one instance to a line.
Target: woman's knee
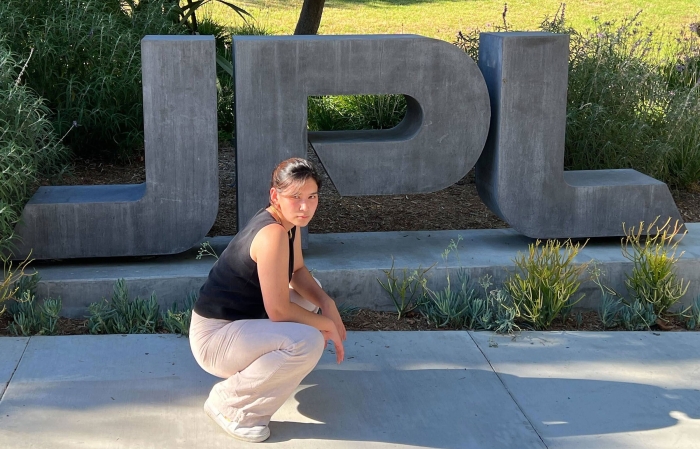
308	342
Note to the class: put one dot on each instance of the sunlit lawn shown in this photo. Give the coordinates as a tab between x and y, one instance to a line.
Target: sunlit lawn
443	18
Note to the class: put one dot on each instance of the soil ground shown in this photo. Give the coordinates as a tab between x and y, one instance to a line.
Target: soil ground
456	207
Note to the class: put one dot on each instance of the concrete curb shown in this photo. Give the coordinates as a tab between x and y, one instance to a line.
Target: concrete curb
348	266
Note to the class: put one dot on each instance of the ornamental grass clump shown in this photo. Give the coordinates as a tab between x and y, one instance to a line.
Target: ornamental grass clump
355	112
87	65
633	96
407	290
29	148
633	101
545	281
653	251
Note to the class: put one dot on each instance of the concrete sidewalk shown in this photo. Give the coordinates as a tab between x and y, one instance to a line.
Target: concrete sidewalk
396	389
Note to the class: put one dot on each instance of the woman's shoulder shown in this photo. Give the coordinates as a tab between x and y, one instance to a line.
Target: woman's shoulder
269	240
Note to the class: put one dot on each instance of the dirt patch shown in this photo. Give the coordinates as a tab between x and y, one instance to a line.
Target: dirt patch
371	320
456	207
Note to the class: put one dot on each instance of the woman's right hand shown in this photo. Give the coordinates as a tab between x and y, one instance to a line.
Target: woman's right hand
331	333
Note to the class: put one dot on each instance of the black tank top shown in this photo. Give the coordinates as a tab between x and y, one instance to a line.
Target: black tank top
232	290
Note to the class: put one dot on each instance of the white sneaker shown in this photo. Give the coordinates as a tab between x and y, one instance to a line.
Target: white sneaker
254	434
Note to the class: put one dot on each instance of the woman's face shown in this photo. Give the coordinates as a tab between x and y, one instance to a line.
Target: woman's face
297	204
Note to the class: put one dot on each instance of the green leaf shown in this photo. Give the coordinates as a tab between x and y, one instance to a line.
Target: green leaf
225	64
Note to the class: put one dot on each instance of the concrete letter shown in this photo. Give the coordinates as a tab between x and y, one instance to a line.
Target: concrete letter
177	204
520	174
437	143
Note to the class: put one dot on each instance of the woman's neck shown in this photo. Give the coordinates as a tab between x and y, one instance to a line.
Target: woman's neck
277	215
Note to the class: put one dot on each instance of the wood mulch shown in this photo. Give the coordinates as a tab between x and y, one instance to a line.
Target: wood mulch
456	207
371	320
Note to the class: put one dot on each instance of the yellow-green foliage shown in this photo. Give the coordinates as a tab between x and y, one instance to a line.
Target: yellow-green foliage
9	281
29	148
545	281
653	250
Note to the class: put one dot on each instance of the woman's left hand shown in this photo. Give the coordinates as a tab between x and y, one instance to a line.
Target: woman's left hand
330	310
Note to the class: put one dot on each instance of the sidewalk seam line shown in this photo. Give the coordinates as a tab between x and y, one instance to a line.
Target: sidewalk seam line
7	387
508	391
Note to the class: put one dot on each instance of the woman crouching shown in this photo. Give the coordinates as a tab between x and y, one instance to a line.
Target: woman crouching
256	321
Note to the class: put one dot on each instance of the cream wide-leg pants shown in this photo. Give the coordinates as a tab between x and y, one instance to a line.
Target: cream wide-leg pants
262	362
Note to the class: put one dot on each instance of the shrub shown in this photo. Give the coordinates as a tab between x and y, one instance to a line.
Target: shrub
616	102
464	307
225	103
636	316
450	307
497	311
545	282
87	65
652	251
408	292
29	149
632	102
121	315
178	321
354	112
13	280
30	318
693	315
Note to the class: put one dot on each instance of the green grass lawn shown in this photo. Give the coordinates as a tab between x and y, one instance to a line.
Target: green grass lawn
443	18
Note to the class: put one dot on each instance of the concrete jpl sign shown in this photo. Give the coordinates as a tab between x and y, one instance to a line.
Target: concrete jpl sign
507	116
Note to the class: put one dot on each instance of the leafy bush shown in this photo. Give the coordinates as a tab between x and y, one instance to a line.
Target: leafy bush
630	105
29	149
652	251
636	316
545	281
632	316
30	318
450	307
693	315
408	292
632	102
13	281
87	65
464	308
121	315
354	112
618	101
608	310
497	312
225	103
178	321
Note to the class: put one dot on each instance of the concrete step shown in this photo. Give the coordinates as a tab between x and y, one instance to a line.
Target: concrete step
348	266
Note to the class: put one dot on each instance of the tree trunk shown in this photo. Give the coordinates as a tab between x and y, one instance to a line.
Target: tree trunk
310	17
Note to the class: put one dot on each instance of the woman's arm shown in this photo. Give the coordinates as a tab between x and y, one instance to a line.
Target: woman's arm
269	250
306	286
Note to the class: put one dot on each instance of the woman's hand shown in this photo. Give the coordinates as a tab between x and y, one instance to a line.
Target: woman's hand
330	310
332	334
